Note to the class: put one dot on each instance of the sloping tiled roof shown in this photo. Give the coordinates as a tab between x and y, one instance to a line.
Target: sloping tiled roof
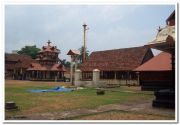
73	52
161	62
20	61
39	67
57	67
36	66
49	48
115	60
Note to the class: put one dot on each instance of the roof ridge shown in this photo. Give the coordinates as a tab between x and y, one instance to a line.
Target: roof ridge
120	49
116	59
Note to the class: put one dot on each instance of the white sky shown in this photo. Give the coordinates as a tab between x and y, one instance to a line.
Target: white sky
110	26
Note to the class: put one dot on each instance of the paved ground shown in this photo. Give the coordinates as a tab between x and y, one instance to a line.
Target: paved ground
144	108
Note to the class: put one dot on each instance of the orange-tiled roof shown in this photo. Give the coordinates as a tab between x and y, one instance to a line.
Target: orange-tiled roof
161	62
73	52
49	48
39	67
115	60
57	67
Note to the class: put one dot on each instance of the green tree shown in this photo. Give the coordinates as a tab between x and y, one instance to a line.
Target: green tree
80	57
29	50
65	63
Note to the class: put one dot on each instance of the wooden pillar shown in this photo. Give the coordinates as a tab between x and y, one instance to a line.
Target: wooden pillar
44	74
173	68
126	78
41	74
21	74
33	75
14	74
57	74
36	74
47	75
115	75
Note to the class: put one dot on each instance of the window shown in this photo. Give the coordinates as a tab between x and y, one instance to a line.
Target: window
126	75
121	75
87	76
134	75
107	75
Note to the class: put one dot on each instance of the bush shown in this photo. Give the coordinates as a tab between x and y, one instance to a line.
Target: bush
100	92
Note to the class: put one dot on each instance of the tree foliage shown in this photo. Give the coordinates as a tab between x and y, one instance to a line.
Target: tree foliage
29	50
80	57
65	63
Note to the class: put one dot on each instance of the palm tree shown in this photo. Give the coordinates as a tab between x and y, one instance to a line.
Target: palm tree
80	57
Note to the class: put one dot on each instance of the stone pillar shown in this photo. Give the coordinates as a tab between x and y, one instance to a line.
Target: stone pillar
71	73
138	81
96	76
77	77
75	65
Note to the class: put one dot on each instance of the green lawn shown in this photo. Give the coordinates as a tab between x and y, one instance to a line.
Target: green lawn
30	103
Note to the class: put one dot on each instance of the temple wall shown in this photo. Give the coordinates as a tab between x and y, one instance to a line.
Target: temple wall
120	82
97	82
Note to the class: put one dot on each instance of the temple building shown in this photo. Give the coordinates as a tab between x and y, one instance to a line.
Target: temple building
16	66
165	41
114	66
156	74
48	66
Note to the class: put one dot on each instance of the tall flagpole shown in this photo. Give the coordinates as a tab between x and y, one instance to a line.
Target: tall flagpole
84	46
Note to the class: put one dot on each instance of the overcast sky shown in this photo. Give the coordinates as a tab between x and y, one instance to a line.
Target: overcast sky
110	26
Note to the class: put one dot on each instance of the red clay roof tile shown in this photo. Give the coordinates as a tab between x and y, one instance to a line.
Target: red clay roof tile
161	62
20	61
115	60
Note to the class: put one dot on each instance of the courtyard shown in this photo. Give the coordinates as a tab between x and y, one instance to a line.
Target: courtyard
121	103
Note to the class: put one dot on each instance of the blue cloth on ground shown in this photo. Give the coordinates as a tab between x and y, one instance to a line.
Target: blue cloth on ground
56	89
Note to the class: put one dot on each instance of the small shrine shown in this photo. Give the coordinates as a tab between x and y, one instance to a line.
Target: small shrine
74	58
47	66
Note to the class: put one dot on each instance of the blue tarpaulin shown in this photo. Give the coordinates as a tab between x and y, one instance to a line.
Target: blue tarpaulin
56	89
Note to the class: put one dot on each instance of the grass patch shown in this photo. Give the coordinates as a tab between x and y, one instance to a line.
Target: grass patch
30	103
